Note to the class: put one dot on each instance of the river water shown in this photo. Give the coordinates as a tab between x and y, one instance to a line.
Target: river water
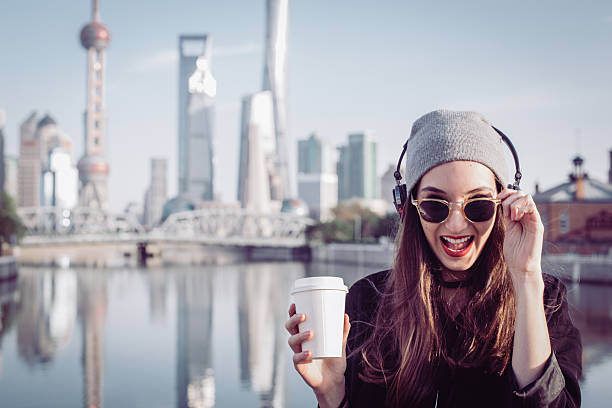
191	337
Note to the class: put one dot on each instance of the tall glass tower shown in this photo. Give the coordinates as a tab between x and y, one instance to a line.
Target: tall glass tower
275	80
197	91
357	167
93	168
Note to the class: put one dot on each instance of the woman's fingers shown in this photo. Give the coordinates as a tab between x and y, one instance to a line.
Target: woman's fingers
292	324
295	341
517	206
345	333
302	357
509	200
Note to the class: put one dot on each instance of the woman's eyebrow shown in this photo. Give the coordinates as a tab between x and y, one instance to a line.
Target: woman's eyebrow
433	190
476	190
480	189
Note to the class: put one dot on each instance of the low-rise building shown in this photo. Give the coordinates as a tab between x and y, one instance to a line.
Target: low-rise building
577	214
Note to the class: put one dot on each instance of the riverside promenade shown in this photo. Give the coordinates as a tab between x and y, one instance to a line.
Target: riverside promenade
568	267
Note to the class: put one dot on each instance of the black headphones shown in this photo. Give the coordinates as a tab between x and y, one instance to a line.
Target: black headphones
400	194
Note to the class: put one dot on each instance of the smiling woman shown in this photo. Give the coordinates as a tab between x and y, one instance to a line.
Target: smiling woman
465	317
455	239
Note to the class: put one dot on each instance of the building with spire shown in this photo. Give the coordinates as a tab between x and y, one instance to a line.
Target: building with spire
577	214
264	182
93	167
197	90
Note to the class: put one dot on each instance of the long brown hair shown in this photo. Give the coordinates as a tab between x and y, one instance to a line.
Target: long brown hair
407	339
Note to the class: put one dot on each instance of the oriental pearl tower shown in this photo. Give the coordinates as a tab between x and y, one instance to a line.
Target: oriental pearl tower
93	168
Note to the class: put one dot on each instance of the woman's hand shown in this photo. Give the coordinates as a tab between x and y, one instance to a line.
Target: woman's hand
523	254
325	376
524	236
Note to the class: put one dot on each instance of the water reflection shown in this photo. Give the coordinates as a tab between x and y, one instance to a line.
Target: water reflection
47	314
591	309
8	309
204	336
263	290
158	286
92	312
195	374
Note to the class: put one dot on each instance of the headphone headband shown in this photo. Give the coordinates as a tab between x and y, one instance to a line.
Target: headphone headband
400	193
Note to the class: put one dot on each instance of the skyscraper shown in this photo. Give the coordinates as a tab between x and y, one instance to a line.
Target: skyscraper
29	170
256	180
59	180
275	80
156	193
317	178
11	164
2	165
93	168
357	167
40	143
197	91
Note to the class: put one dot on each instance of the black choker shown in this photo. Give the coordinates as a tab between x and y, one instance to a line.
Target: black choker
455	284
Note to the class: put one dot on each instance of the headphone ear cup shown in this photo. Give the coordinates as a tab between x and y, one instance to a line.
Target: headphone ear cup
400	197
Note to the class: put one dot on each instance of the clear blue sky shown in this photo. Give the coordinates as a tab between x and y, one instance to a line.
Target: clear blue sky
540	71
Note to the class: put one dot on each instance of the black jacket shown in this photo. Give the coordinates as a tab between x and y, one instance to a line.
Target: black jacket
463	387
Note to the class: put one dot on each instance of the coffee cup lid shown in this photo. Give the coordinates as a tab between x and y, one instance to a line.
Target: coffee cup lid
319	283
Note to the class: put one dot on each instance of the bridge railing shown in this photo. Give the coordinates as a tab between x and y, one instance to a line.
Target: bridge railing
235	225
56	221
209	225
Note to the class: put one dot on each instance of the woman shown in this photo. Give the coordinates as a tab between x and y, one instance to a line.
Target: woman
465	317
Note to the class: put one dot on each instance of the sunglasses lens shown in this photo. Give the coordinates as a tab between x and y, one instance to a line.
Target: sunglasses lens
433	211
480	210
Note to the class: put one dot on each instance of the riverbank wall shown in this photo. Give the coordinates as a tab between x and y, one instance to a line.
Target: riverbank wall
568	267
8	268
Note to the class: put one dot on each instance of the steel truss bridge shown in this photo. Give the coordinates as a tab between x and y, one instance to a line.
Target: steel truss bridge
213	226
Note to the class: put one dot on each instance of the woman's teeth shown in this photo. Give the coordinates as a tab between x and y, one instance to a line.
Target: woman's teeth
456	244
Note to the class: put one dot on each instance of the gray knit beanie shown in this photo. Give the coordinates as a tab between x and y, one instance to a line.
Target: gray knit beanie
443	136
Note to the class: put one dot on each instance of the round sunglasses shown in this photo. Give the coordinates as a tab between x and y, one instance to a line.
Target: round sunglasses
474	210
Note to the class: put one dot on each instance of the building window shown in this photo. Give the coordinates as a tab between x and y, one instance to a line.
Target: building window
564	223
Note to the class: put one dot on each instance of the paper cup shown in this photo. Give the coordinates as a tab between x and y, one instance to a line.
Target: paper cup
321	299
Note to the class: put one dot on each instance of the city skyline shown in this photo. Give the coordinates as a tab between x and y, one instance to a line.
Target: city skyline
543	82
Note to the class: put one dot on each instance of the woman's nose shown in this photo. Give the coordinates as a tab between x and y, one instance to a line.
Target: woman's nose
456	222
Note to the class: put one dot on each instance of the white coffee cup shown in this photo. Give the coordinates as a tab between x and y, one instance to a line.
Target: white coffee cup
321	299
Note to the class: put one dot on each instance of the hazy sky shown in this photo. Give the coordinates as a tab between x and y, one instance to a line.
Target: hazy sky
540	71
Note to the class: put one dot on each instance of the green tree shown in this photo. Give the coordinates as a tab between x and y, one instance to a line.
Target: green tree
346	219
10	223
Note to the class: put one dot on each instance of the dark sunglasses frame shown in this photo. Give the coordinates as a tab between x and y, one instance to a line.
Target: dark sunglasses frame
462	204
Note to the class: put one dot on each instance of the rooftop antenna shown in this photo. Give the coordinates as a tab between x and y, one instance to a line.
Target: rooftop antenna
96	11
577	140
